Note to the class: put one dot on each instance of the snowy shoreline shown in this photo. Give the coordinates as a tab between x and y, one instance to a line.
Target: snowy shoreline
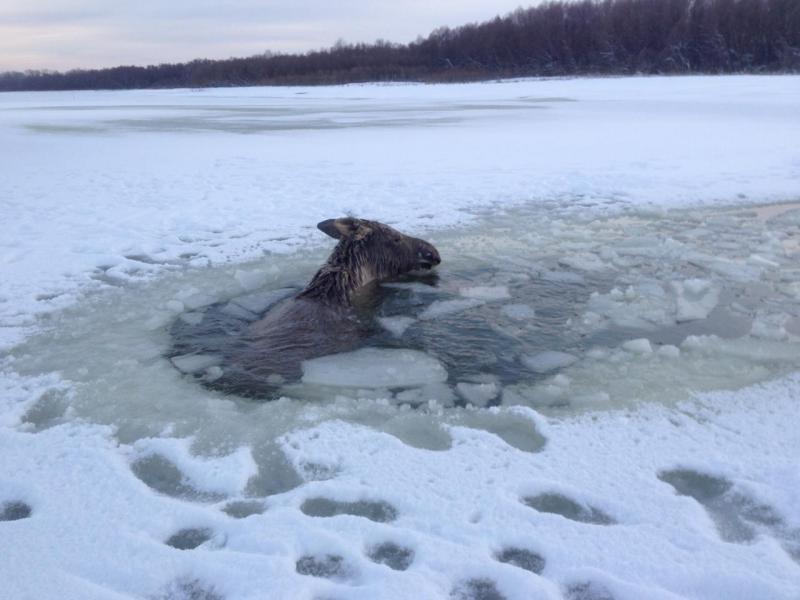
109	195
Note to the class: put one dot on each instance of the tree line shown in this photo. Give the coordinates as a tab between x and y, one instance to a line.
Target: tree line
587	37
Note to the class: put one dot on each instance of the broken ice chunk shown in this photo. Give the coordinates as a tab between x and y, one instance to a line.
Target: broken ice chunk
518	312
441	308
478	394
251	280
638	346
485	292
695	299
374	368
549	360
439	392
194	363
396	325
669	351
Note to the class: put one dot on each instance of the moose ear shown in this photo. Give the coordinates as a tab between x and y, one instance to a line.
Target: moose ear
343	228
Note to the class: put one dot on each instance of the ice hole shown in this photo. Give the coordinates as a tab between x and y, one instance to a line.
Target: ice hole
514	313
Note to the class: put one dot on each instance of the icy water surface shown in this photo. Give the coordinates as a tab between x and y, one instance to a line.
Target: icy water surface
527	308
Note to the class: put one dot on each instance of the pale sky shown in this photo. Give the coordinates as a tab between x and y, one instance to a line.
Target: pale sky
67	34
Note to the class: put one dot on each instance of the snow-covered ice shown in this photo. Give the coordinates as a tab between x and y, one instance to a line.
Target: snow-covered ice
595	397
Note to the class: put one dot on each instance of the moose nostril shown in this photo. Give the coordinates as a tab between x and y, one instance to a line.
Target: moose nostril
429	255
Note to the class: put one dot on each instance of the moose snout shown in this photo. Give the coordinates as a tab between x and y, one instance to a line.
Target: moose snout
428	256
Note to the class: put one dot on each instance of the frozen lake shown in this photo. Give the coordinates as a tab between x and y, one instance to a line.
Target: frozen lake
592	397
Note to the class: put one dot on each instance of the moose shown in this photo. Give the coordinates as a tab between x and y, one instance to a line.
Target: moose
326	317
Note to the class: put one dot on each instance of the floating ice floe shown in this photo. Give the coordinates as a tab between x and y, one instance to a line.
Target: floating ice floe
396	325
694	298
645	305
549	360
441	308
638	346
518	312
414	286
487	293
478	394
251	279
194	363
374	368
440	393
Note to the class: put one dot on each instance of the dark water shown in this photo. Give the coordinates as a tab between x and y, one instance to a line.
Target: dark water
479	344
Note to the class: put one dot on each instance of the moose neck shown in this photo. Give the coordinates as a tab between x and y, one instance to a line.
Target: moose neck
340	277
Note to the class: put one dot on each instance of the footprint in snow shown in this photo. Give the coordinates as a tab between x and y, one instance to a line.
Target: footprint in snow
738	517
378	511
522	558
588	590
476	589
326	566
569	509
190	538
392	555
14	510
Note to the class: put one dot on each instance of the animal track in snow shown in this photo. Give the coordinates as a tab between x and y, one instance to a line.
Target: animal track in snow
189	589
569	509
163	476
14	511
588	590
190	538
476	589
327	566
522	558
379	511
516	431
392	555
240	509
738	517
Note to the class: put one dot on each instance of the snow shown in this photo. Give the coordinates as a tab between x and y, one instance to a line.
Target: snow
646	229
